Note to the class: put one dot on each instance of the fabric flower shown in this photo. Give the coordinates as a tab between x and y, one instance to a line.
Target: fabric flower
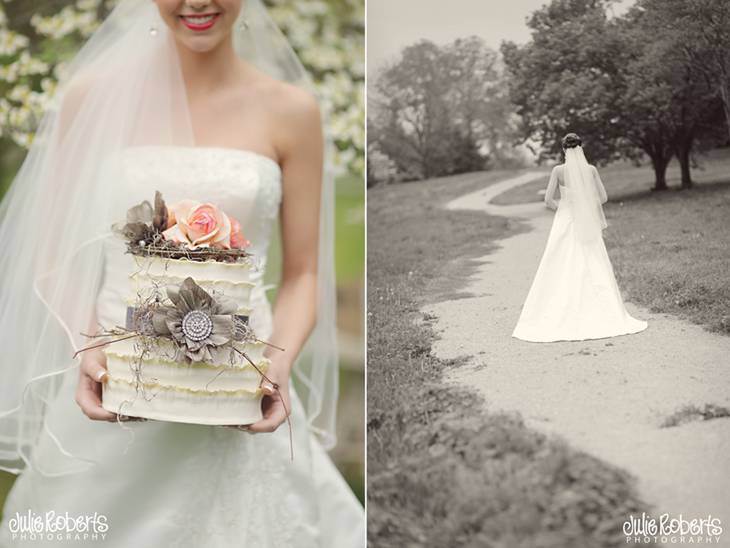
139	223
159	220
198	225
197	322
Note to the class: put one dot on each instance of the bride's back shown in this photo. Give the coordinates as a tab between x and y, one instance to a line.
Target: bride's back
560	171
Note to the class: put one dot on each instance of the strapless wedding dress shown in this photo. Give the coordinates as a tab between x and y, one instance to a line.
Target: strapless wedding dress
574	295
183	485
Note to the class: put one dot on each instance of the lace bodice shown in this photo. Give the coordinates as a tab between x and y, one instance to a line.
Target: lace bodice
244	184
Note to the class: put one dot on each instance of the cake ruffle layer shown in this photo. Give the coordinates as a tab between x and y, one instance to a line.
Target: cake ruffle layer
153	401
233	280
191	377
133	364
241	271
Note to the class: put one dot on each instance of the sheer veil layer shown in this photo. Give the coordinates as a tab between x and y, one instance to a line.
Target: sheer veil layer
583	195
125	88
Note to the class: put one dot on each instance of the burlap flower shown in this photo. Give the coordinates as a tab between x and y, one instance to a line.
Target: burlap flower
196	322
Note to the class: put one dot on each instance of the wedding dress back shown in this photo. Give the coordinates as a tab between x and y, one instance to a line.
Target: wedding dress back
574	295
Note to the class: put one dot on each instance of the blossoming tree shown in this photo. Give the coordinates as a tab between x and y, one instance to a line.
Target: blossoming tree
38	38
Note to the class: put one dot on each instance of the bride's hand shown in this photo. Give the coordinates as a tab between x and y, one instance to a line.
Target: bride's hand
276	404
88	391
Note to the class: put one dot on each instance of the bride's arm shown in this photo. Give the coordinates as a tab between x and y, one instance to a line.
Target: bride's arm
296	303
599	185
551	188
92	368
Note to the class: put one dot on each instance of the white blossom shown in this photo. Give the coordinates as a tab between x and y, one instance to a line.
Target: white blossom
328	35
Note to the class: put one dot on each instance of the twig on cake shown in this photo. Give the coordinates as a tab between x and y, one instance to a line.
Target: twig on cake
272	345
105	343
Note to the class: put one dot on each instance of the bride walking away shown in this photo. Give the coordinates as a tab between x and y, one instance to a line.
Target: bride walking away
574	295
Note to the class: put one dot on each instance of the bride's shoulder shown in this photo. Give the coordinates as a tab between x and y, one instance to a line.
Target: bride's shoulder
285	99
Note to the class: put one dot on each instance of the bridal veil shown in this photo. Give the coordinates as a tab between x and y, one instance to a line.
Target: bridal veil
124	88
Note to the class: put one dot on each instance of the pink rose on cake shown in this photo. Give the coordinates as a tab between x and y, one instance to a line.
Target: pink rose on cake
237	239
198	225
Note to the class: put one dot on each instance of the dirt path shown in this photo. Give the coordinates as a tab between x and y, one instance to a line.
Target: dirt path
607	397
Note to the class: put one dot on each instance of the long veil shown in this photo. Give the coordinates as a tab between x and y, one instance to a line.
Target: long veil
583	196
124	88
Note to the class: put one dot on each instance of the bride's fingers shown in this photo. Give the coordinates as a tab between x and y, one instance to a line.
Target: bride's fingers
274	412
241	427
88	392
94	370
127	418
90	403
273	419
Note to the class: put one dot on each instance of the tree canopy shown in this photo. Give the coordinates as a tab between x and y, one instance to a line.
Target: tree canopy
650	82
439	110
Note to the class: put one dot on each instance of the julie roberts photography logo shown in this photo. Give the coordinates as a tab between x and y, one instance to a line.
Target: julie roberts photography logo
666	530
51	526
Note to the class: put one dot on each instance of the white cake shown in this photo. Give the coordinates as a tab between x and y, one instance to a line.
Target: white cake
162	386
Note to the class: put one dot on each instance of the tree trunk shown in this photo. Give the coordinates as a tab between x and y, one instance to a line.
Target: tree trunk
659	163
683	155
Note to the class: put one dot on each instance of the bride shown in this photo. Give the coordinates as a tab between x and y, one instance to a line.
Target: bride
202	100
574	295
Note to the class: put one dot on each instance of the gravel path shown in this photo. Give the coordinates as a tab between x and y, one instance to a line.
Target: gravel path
606	397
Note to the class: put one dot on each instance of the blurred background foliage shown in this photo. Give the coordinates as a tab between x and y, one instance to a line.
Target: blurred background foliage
647	86
39	38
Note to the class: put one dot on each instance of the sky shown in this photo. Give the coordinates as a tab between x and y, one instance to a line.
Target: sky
394	24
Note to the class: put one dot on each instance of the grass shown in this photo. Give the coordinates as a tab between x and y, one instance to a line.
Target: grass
350	231
6	482
349	452
624	180
670	250
691	413
443	471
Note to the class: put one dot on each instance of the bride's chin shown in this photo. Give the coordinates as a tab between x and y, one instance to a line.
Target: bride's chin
201	44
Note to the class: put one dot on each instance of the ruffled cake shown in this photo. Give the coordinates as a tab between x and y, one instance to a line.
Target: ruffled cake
185	351
150	377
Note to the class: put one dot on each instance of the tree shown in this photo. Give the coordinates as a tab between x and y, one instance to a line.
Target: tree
568	78
410	111
701	31
666	95
417	118
442	109
623	84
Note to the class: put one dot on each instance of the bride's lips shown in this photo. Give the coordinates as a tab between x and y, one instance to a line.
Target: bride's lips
200	22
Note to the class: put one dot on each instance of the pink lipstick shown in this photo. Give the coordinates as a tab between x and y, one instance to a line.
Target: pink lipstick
201	22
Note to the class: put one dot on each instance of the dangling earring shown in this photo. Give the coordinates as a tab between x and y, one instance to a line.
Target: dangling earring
153	30
244	24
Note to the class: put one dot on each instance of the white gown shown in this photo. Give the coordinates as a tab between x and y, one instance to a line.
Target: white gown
574	295
183	485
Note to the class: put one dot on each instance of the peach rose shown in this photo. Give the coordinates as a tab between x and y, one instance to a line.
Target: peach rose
237	239
199	225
